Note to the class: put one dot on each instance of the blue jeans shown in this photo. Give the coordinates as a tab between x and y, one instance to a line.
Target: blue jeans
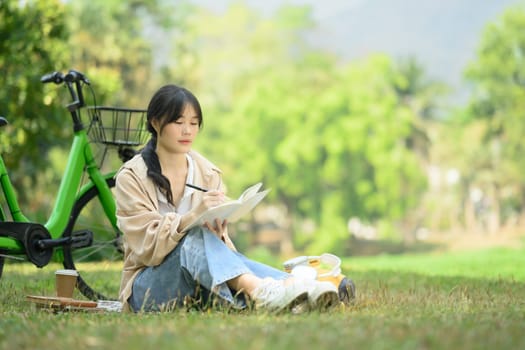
197	268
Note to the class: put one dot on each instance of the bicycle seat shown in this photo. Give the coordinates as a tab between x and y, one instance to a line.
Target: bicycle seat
3	121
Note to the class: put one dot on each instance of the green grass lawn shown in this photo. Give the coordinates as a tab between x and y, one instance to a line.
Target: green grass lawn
467	300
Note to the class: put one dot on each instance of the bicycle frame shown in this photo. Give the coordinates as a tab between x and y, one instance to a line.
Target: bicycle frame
80	159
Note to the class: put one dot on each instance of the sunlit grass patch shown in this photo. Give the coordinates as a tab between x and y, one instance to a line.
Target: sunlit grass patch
496	263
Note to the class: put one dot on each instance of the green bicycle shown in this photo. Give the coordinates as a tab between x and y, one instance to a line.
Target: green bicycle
82	224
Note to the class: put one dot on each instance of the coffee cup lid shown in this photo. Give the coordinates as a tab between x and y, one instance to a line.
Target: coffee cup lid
66	272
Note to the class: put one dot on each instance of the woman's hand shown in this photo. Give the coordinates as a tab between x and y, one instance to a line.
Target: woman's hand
218	228
211	199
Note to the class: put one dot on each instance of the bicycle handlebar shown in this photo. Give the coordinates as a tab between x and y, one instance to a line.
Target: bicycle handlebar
55	77
70	78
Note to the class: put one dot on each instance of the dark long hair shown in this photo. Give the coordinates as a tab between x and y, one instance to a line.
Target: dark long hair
166	106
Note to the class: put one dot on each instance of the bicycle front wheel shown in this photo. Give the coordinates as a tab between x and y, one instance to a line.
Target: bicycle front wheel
99	264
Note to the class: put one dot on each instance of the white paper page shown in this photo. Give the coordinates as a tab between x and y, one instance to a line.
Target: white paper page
221	212
248	205
250	191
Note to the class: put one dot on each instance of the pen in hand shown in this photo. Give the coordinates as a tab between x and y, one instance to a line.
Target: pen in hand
197	188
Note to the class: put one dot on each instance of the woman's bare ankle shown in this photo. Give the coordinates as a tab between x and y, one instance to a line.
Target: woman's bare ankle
245	283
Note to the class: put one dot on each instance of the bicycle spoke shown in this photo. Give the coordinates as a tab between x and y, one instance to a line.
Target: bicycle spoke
94	249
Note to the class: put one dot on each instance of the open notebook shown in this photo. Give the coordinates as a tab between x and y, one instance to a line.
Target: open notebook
232	210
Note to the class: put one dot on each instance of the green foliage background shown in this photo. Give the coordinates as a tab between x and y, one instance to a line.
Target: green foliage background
334	139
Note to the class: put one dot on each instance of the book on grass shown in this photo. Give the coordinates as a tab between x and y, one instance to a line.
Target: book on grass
232	210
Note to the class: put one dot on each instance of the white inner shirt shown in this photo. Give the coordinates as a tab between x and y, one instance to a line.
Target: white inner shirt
185	202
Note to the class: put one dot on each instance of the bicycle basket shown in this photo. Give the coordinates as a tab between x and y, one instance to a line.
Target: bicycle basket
116	126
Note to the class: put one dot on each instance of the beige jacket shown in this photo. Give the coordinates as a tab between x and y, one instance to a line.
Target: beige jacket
148	235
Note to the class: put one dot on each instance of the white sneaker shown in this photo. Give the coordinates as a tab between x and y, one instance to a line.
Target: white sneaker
275	295
322	295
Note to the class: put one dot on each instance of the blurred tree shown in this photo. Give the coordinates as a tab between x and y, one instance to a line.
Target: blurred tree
450	204
329	139
32	42
423	97
109	42
498	104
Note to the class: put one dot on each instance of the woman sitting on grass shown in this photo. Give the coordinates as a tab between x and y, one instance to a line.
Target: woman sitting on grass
164	264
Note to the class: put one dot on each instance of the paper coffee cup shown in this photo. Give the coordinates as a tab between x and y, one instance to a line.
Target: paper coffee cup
65	282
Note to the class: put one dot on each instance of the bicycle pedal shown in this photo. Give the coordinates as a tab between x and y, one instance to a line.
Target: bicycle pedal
81	239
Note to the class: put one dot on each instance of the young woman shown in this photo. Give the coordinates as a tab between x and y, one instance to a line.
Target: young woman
166	265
